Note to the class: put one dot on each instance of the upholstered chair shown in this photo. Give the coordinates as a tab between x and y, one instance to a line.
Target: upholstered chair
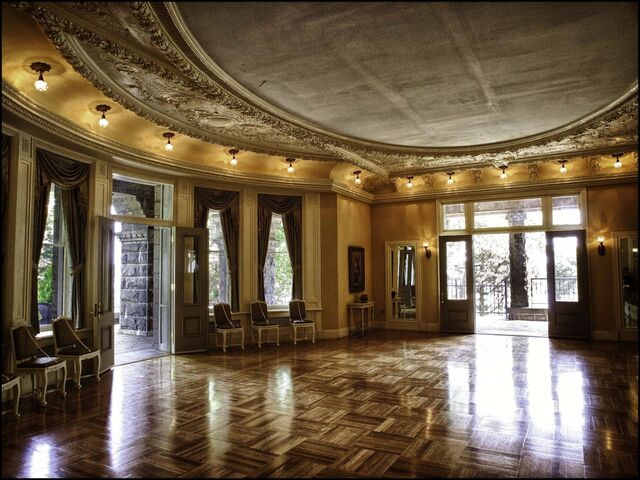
67	345
30	359
226	327
260	324
300	323
12	382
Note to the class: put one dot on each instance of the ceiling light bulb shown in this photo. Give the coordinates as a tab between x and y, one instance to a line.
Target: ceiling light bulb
40	84
450	180
409	183
103	122
563	169
357	174
358	181
168	147
290	168
503	175
234	162
618	163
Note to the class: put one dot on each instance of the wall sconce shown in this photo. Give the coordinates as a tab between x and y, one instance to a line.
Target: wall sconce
40	67
601	248
409	183
168	135
503	175
290	168
450	180
233	152
103	122
563	169
618	163
357	174
427	252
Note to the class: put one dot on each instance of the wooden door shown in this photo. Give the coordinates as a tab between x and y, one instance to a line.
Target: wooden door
191	290
456	284
567	284
103	308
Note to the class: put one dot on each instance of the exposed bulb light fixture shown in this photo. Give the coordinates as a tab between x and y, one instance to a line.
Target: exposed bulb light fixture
503	175
618	163
103	122
450	180
563	169
168	135
233	152
409	183
427	252
357	174
40	67
601	247
290	168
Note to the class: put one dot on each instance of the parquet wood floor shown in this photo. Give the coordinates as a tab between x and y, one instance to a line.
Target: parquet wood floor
393	404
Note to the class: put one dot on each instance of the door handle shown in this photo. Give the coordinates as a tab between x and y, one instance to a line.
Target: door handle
441	297
100	310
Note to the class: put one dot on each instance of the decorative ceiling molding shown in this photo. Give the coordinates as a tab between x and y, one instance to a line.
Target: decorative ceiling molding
116	47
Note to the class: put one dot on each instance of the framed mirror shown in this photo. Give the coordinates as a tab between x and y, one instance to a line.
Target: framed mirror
402	273
626	269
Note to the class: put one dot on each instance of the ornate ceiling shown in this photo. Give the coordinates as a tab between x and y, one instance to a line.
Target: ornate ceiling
394	88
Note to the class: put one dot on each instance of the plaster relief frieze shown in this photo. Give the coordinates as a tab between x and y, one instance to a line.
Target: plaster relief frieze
477	176
534	171
428	181
594	165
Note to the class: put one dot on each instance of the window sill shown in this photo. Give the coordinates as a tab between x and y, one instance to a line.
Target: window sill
47	334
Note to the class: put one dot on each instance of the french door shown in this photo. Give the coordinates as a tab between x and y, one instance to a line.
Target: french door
457	313
567	284
191	290
103	309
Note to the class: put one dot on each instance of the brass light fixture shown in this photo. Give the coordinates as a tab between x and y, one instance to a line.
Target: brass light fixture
233	152
450	180
357	174
168	135
618	163
40	67
563	169
410	183
103	122
290	168
427	252
601	247
503	175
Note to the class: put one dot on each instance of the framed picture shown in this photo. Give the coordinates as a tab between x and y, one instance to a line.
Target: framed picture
356	269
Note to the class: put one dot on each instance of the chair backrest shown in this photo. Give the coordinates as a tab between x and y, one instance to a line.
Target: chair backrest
64	335
24	346
297	310
222	315
258	311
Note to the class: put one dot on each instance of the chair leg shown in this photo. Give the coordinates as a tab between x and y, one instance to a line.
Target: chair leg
16	400
78	371
294	334
34	386
242	340
43	399
260	338
278	337
98	368
314	333
64	380
224	342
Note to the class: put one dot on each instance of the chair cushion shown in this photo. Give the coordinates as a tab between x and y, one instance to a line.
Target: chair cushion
262	323
75	350
297	321
41	362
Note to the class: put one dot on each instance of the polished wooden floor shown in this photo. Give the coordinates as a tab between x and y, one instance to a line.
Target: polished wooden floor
394	404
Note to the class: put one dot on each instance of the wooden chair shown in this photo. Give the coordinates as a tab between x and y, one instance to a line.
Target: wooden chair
30	359
9	382
225	326
299	321
260	323
67	345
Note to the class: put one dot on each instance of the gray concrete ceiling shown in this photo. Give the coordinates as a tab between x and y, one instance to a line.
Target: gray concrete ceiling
425	74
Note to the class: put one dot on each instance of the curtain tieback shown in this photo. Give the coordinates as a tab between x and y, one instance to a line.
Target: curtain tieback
77	269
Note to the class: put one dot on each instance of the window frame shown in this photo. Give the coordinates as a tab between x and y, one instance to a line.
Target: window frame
208	260
146	180
278	306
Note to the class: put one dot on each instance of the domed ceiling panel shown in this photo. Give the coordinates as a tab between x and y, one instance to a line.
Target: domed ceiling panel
394	88
425	74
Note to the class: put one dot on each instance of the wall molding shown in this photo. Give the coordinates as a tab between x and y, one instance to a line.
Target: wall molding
604	335
333	333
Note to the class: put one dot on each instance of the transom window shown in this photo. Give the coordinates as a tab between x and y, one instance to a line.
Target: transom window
278	274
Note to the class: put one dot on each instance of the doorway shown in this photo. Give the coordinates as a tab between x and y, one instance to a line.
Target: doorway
510	283
142	291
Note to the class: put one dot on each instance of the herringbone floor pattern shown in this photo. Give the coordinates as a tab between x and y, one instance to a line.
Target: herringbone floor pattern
393	404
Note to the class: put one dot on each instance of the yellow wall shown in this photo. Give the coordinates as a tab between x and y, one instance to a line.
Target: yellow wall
328	242
410	222
610	209
354	229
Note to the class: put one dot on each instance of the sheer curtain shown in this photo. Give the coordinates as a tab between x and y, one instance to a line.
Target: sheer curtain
228	203
73	180
290	207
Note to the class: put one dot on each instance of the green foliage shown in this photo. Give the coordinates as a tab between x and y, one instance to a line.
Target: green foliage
45	284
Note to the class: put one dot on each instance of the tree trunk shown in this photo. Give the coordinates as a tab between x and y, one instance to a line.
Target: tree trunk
518	263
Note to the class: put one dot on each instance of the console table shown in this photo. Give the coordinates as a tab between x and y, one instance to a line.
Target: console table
367	315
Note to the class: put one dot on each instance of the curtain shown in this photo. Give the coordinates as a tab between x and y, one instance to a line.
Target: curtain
72	179
228	203
4	198
290	208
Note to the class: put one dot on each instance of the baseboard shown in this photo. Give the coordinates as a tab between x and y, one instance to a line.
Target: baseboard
334	333
433	327
605	335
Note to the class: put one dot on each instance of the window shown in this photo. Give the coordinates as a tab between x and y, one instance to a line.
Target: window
278	274
507	213
454	216
139	198
54	267
565	210
219	273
